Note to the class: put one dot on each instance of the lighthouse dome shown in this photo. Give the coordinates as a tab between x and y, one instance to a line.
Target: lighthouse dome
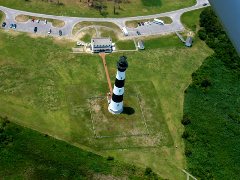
122	64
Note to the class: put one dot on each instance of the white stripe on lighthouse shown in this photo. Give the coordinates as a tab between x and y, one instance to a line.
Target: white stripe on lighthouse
118	91
120	75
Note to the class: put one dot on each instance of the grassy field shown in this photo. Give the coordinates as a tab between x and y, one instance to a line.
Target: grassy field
125	45
81	8
27	154
133	24
50	93
1	16
109	33
83	24
191	19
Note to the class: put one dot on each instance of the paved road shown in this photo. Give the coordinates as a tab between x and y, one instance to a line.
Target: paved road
70	22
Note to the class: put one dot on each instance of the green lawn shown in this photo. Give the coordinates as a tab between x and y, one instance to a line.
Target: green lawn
109	33
83	24
125	45
191	19
163	42
152	3
27	154
1	16
81	8
45	87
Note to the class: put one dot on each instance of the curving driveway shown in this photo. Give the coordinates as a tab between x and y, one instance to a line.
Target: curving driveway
70	22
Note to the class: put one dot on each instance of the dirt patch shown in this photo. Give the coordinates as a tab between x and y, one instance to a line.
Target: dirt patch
107	124
22	18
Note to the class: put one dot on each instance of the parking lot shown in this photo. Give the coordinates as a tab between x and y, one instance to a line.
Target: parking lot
42	27
153	28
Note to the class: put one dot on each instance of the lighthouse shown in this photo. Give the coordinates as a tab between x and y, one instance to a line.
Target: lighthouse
116	103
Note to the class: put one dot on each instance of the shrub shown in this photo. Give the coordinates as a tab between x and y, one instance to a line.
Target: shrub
148	171
186	120
202	34
205	83
185	135
188	152
110	158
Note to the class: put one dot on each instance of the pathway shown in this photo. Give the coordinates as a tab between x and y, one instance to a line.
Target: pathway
103	55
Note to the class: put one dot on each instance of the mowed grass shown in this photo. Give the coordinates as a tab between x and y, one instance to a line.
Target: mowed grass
152	2
45	87
82	9
1	16
125	45
162	42
191	19
83	24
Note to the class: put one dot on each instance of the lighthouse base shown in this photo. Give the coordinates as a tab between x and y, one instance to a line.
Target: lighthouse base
115	108
116	111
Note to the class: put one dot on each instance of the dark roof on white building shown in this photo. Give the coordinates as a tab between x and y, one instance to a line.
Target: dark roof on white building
101	42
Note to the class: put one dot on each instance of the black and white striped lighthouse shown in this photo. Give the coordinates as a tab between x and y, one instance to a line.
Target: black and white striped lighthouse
116	104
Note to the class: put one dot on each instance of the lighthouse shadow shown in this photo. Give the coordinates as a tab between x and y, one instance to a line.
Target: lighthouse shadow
128	110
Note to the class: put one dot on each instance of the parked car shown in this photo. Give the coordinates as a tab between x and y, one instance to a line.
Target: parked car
139	24
11	25
204	4
4	24
142	23
14	26
79	43
60	32
35	29
50	31
138	33
38	21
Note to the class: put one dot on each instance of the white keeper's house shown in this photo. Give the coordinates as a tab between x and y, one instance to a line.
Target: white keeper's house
101	45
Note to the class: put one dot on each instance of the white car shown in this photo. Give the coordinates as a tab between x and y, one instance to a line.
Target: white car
79	43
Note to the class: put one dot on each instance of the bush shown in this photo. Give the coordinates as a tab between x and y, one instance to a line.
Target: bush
188	152
110	158
148	171
186	120
205	83
202	34
185	135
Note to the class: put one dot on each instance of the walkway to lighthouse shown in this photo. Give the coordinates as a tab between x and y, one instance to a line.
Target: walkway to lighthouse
103	55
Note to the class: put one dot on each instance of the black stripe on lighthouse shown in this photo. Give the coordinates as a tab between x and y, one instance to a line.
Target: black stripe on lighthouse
117	98
119	83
